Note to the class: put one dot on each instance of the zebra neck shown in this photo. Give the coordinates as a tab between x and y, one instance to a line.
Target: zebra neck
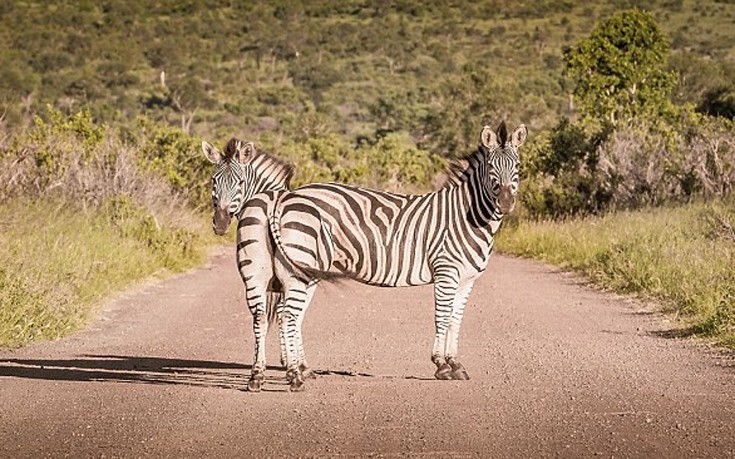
267	185
479	210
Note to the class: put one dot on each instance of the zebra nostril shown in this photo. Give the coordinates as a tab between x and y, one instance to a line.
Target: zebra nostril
220	221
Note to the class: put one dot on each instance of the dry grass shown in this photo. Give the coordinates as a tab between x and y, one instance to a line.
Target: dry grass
79	219
681	256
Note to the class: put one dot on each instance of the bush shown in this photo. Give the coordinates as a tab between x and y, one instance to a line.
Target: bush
390	162
580	168
172	154
112	223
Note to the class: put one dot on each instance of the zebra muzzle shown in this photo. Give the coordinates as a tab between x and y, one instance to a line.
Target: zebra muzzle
506	200
220	221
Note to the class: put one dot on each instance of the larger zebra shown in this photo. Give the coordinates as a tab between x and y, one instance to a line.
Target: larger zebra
385	239
243	172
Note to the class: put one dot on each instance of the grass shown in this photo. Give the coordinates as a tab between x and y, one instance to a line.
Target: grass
59	261
680	256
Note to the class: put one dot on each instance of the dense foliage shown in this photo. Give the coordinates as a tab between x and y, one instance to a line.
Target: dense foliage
619	71
632	146
341	88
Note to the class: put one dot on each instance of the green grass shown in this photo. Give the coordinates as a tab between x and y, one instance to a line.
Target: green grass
681	256
59	262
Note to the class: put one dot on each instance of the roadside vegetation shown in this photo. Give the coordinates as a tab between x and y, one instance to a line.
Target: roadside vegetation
680	256
629	104
83	214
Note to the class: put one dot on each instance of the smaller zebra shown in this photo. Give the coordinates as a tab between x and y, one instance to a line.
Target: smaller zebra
242	173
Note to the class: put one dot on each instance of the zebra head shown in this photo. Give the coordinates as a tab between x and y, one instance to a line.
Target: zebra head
503	164
229	180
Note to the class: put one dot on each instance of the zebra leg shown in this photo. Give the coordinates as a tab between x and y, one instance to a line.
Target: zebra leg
306	371
261	305
260	329
282	332
279	304
455	321
255	263
298	297
445	290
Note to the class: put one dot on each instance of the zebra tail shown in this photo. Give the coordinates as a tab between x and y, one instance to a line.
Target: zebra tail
271	307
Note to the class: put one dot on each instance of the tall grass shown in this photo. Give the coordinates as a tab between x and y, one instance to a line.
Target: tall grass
59	261
83	214
681	256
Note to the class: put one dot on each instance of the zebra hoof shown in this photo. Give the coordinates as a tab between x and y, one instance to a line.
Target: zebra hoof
254	384
444	372
306	372
295	380
297	385
458	372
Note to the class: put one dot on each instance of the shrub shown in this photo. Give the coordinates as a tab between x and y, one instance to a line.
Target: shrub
176	156
581	168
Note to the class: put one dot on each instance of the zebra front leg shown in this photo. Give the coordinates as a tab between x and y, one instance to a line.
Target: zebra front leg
455	321
263	307
445	290
280	307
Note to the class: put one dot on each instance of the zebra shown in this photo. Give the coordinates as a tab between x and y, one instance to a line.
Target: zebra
242	173
393	240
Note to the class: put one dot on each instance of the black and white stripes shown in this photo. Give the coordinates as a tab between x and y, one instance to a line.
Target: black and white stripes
393	240
243	172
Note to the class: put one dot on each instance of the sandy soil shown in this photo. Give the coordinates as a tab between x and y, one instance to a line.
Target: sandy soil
557	370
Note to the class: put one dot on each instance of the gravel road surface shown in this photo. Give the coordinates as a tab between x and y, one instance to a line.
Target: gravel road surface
557	370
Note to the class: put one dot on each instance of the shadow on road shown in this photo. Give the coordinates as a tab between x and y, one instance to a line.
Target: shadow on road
132	369
153	370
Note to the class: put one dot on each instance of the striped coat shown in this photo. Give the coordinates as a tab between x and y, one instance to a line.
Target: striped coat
393	240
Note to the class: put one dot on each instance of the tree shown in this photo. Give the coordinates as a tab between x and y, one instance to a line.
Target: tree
620	70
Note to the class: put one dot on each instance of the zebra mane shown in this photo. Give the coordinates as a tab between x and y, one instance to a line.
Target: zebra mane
262	159
231	148
280	167
460	170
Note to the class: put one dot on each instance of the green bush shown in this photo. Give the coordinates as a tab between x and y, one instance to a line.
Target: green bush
171	244
391	162
582	168
176	156
113	223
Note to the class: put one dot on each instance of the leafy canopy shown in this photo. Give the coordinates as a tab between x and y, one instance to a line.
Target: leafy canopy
620	70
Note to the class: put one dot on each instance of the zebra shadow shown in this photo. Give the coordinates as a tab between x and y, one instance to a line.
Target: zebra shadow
137	369
155	370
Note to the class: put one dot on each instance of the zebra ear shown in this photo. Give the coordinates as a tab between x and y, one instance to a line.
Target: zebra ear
211	152
488	138
244	151
519	136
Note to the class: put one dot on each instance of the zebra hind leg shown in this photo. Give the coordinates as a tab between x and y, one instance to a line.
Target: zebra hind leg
298	297
257	374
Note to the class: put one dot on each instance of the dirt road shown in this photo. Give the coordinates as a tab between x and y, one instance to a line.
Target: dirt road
557	370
